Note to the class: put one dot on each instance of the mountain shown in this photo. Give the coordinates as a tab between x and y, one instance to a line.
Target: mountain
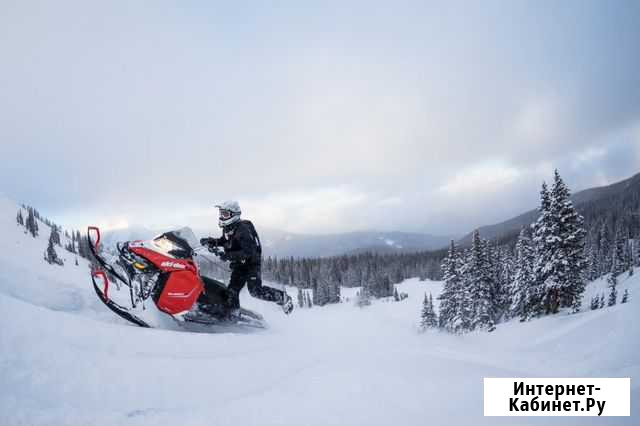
592	203
285	244
278	243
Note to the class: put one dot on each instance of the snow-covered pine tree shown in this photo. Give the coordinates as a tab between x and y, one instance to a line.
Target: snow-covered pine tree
363	298
20	218
559	239
625	296
502	263
428	317
595	303
309	300
542	235
300	300
601	301
612	282
592	267
604	251
55	235
395	294
617	267
31	224
618	255
524	297
478	277
450	296
50	254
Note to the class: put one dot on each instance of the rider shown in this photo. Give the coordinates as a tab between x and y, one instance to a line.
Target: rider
242	248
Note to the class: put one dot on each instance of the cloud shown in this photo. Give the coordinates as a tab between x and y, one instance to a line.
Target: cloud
319	118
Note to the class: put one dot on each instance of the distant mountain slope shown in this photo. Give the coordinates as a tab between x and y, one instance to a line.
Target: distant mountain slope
589	202
280	244
284	244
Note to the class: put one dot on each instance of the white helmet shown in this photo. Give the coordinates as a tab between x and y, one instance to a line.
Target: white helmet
229	213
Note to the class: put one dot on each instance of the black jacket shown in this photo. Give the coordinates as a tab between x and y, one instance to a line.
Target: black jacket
241	244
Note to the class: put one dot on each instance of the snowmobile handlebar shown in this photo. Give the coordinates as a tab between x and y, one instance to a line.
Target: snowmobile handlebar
96	246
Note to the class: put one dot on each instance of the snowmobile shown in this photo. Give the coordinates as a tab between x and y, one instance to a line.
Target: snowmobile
164	271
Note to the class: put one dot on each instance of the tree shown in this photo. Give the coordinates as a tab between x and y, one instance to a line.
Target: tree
613	292
428	317
363	298
55	235
50	254
618	266
625	296
477	276
19	217
604	255
525	295
595	303
453	296
300	298
601	301
559	238
395	294
31	223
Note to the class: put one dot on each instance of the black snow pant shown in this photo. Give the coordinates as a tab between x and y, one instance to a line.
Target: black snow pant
251	275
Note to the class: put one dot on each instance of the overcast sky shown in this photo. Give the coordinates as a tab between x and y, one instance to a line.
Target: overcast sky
318	117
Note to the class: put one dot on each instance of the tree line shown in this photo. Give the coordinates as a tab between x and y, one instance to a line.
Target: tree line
546	271
76	243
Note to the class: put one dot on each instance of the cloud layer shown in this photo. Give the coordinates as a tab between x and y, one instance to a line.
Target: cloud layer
414	116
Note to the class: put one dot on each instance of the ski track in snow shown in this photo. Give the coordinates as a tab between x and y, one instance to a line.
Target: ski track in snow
67	360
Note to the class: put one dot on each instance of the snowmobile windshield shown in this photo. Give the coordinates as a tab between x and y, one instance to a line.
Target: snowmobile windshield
178	243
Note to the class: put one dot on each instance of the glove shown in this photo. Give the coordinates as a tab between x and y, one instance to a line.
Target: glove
205	241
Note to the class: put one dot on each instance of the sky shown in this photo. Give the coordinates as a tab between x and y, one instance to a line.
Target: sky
318	117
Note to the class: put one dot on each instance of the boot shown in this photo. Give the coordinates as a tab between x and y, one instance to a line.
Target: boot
286	303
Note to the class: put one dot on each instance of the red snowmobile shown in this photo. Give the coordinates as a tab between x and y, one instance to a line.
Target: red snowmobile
163	270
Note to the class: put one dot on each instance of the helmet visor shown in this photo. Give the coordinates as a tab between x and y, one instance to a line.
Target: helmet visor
225	214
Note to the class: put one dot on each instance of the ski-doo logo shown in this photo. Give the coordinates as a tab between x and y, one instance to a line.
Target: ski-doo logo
169	264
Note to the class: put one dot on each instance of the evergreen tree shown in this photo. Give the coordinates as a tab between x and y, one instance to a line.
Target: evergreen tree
55	235
592	266
613	292
625	296
618	258
31	223
618	266
595	303
300	299
452	316
604	251
477	276
559	238
395	294
601	301
363	298
525	296
50	254
19	217
428	317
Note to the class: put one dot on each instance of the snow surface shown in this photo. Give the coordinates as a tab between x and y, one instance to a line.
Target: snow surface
67	360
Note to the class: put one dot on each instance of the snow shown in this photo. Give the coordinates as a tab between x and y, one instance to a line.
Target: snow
67	360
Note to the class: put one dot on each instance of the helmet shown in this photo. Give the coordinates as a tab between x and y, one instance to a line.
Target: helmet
229	213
